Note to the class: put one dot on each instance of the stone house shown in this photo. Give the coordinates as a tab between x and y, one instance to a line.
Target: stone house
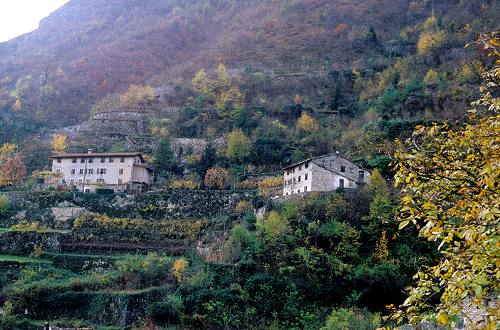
323	173
119	171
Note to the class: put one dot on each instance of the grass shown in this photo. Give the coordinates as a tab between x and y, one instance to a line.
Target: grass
23	259
108	256
45	230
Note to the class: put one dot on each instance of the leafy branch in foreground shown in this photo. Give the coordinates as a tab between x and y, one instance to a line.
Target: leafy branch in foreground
450	182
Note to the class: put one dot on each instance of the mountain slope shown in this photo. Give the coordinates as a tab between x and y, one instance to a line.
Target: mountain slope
88	49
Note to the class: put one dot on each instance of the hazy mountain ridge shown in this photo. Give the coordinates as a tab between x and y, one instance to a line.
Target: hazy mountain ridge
88	49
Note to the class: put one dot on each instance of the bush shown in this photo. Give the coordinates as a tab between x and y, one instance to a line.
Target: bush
186	184
166	312
4	206
349	319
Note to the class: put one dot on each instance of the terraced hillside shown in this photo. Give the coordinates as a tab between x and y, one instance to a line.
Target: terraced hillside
102	260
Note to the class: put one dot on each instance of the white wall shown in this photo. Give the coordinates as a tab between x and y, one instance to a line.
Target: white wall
117	172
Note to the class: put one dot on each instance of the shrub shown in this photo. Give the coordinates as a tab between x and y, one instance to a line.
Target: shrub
166	312
243	206
273	225
349	319
270	186
4	206
187	184
179	268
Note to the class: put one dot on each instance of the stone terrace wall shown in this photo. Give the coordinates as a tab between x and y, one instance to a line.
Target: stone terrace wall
168	204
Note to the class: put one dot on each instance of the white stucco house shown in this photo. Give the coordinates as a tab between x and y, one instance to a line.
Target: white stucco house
119	171
323	173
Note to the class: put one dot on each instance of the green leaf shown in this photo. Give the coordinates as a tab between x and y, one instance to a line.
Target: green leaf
403	224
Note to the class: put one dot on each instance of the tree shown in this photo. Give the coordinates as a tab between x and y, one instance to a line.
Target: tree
207	160
202	84
13	171
59	144
429	42
4	205
238	146
179	268
307	123
164	157
137	96
450	182
216	178
6	152
273	226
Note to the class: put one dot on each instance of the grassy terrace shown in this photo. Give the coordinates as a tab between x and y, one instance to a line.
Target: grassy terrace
23	259
108	256
46	230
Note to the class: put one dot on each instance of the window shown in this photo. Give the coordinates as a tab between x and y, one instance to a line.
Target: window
88	181
110	159
341	183
58	160
81	171
120	181
74	160
71	182
300	167
294	180
306	176
58	170
351	183
80	180
288	172
82	160
100	180
300	178
342	168
122	160
120	171
361	175
298	191
63	180
91	160
103	171
90	171
87	190
305	189
307	165
73	171
284	183
103	160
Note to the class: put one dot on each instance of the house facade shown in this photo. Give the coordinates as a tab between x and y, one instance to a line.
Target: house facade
121	171
324	173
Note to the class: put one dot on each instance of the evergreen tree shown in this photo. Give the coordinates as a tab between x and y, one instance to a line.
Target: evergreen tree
165	160
207	160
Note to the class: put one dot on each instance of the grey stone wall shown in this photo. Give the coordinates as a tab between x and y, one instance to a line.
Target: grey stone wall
59	209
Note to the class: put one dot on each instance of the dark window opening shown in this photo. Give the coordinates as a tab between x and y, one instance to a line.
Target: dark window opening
342	169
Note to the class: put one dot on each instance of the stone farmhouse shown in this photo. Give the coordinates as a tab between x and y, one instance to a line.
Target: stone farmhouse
120	171
323	173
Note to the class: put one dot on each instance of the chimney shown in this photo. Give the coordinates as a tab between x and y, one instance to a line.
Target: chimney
89	151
